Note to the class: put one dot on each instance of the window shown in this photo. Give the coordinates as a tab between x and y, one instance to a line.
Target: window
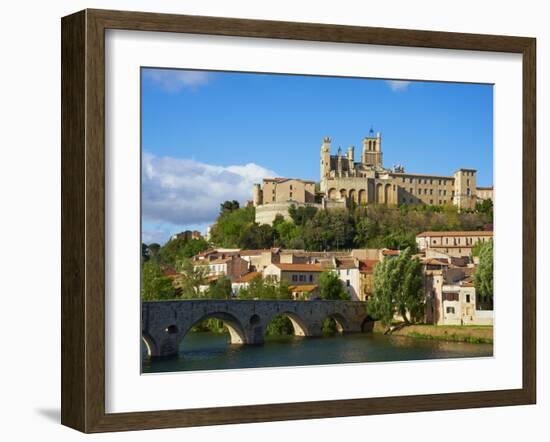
411	190
411	180
291	187
444	193
440	182
294	278
468	182
425	191
431	191
302	278
450	310
290	194
431	201
310	278
347	283
420	191
468	299
419	181
431	181
404	200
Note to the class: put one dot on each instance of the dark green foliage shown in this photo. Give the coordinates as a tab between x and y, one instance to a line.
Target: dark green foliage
301	215
145	255
230	225
228	206
154	284
483	276
279	326
219	289
329	326
180	248
330	286
397	289
254	236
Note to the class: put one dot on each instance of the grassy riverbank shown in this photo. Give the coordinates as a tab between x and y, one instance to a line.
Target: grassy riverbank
474	334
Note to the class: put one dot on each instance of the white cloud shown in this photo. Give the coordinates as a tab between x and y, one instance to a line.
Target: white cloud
184	192
174	80
398	85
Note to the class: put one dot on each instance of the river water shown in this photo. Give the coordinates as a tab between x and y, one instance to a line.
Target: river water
210	351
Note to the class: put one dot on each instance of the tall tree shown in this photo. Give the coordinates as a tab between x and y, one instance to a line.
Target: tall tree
219	289
267	289
330	286
228	206
483	275
397	289
154	284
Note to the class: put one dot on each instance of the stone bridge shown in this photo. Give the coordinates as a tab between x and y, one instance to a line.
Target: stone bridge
165	323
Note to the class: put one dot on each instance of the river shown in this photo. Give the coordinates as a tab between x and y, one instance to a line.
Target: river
210	351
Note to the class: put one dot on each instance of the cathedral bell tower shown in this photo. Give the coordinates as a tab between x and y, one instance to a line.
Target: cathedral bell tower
372	150
325	158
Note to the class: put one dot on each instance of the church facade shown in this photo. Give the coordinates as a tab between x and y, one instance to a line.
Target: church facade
369	182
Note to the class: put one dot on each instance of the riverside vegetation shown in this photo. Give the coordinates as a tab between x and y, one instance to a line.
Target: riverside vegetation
397	281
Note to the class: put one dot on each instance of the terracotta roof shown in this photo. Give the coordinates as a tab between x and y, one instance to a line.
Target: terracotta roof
344	263
170	272
299	267
302	288
457	233
367	265
390	252
248	277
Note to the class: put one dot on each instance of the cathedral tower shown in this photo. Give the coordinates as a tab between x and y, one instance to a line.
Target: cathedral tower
325	158
372	150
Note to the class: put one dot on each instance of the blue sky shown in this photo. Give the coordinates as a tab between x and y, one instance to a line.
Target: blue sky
224	131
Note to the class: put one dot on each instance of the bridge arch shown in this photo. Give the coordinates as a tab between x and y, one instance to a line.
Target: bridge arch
298	324
150	345
231	322
342	324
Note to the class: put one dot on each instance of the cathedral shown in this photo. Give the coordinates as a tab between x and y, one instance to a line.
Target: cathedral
368	182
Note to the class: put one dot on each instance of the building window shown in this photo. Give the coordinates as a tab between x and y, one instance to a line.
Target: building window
411	180
468	299
468	182
347	283
291	187
450	310
420	191
431	202
444	193
431	181
302	278
411	190
431	191
310	278
425	191
294	278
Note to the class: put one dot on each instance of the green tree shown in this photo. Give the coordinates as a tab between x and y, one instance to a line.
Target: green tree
483	275
228	206
229	226
280	325
330	286
154	284
145	254
219	289
154	249
266	289
191	278
301	215
397	289
255	236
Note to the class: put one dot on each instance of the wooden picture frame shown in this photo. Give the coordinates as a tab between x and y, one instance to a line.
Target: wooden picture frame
83	220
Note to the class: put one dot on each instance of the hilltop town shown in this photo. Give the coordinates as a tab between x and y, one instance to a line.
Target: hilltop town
305	241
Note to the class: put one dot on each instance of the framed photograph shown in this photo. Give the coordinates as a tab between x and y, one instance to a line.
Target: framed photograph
267	220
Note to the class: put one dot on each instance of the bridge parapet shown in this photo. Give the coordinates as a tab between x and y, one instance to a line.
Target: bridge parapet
165	323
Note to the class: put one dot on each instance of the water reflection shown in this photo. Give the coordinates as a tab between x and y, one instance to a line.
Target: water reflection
211	351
